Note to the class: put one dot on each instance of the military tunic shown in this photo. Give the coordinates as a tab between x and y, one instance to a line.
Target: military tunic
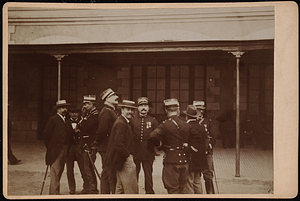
173	133
142	126
88	128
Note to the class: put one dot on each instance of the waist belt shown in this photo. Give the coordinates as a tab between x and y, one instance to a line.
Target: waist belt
175	148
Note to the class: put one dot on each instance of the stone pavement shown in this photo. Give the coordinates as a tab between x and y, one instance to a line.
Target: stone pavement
256	172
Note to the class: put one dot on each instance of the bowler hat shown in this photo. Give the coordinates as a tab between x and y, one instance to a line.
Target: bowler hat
192	111
107	93
171	102
127	103
61	103
89	98
142	101
199	104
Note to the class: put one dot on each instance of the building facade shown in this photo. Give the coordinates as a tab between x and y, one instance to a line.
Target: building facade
185	53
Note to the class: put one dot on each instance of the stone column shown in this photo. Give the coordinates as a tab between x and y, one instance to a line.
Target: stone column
59	57
237	55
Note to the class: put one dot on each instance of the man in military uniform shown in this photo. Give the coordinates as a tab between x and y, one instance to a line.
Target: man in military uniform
177	139
207	165
120	151
56	139
142	125
106	119
73	154
87	128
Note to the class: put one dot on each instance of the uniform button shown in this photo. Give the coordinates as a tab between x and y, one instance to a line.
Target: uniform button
179	154
177	147
141	140
106	134
182	147
184	154
180	161
184	160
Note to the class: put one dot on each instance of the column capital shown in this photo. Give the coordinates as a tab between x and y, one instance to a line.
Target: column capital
237	54
59	57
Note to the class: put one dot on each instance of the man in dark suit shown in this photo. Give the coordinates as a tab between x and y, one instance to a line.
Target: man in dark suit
87	127
120	151
177	139
56	139
73	154
142	125
206	167
106	119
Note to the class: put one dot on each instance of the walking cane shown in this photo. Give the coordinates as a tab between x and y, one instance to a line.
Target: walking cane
86	149
44	180
215	176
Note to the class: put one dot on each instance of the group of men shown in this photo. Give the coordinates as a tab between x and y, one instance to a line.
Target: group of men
127	142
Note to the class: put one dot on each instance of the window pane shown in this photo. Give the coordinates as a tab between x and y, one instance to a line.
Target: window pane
184	71
199	83
136	94
174	83
174	71
184	96
174	94
161	83
160	108
199	71
199	95
151	83
137	71
137	83
151	96
184	83
152	71
160	96
161	71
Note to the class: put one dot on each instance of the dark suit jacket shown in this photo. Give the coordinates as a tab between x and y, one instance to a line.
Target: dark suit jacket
106	119
56	135
120	144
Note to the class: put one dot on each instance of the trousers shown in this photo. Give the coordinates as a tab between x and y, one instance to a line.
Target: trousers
194	183
175	177
208	175
126	178
73	155
89	177
56	170
148	169
108	178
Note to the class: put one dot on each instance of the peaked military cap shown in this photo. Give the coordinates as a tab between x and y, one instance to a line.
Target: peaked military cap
107	93
89	98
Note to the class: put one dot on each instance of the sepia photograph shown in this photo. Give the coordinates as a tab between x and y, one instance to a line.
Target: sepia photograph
193	100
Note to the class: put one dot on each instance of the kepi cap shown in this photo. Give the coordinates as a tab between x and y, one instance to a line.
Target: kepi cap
107	93
199	104
127	103
192	111
171	102
142	101
61	103
89	98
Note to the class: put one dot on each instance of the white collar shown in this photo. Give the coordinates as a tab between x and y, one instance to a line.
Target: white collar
125	118
63	118
188	121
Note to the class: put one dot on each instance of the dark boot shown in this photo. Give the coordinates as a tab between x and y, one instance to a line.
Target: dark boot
209	186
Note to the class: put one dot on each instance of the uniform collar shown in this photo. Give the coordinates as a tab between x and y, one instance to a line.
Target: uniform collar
110	105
